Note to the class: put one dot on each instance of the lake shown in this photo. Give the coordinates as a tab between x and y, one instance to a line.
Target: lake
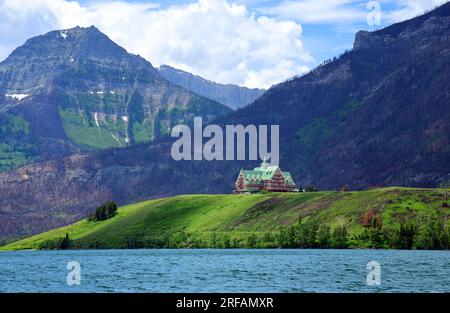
217	270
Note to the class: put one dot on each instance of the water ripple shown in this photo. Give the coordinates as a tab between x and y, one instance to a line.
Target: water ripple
215	270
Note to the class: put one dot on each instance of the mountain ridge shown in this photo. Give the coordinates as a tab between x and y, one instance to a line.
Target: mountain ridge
230	95
76	90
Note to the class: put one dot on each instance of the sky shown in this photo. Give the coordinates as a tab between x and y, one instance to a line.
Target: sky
244	42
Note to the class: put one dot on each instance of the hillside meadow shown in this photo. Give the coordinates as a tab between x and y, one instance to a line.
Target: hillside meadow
401	218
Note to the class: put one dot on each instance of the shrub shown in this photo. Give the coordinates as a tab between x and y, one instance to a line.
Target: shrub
404	238
252	241
56	244
339	240
324	237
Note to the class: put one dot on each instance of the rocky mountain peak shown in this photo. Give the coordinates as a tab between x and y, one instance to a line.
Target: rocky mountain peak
78	42
32	66
76	90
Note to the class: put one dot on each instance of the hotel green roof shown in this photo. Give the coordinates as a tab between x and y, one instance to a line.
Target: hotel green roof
264	172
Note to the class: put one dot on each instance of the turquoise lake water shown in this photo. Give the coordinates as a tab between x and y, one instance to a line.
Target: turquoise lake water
216	270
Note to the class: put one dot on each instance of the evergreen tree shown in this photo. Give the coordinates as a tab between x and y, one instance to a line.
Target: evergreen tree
111	209
104	211
65	242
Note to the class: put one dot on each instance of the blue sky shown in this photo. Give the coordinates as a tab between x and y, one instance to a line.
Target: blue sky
245	42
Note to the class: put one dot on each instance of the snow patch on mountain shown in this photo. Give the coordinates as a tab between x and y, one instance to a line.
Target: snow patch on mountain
96	119
115	138
17	96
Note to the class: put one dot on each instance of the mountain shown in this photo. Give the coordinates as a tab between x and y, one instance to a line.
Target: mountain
232	96
75	89
379	115
376	116
238	221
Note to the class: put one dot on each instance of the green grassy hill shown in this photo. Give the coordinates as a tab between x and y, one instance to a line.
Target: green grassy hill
381	218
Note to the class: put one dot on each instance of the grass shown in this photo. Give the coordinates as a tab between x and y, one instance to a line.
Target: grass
14	151
81	128
241	216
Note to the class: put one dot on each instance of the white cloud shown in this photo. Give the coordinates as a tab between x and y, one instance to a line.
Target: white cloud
406	9
218	40
342	13
324	12
20	21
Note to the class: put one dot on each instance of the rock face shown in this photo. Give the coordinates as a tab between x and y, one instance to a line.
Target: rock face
379	115
232	96
75	89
